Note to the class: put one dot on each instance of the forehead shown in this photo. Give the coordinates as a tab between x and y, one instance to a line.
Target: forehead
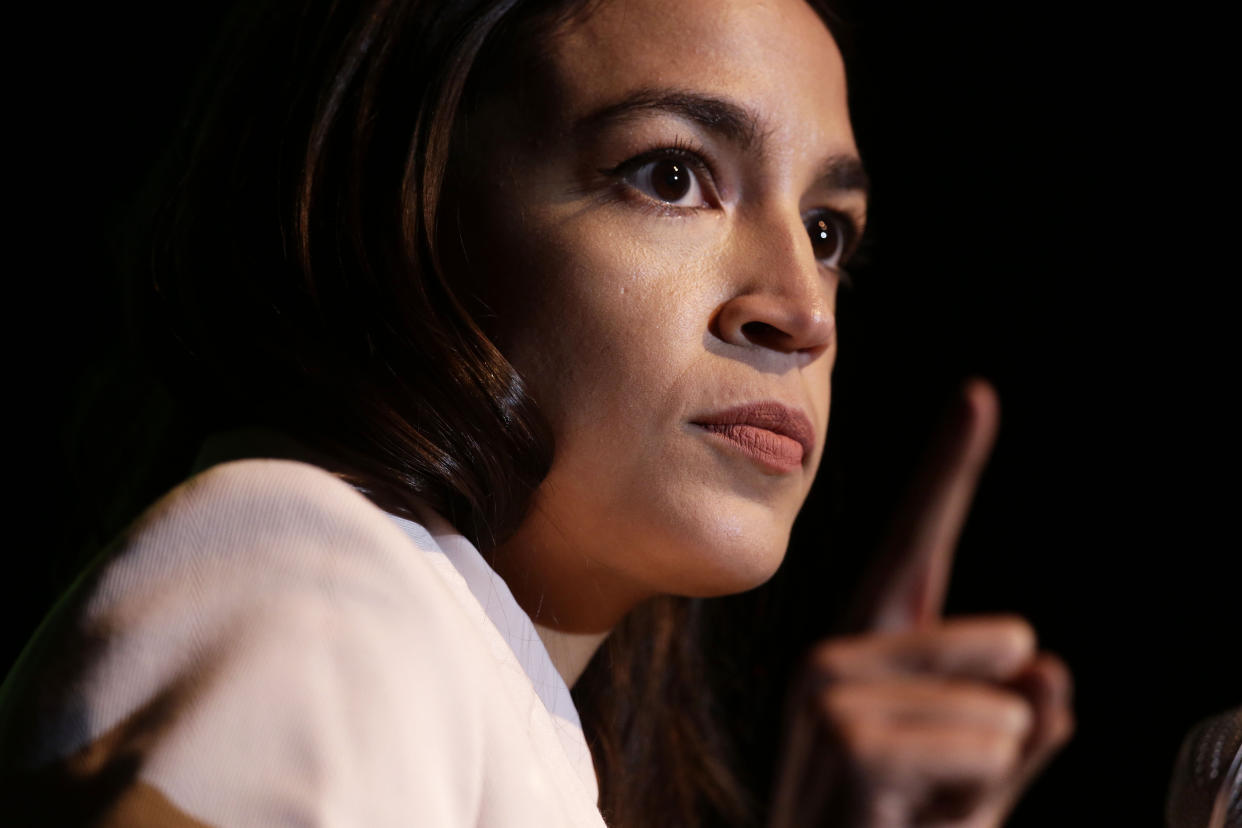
776	58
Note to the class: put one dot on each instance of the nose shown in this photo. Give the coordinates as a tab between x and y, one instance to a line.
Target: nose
783	299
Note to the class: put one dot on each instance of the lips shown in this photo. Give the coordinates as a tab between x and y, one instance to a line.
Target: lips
775	436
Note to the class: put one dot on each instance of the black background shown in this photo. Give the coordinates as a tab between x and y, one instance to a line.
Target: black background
1053	209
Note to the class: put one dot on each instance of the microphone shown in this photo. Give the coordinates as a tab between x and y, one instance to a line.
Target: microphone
1206	791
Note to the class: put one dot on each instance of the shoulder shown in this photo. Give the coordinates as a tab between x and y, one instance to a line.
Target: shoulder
261	504
279	544
279	528
267	631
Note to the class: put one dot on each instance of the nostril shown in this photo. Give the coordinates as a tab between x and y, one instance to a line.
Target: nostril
761	333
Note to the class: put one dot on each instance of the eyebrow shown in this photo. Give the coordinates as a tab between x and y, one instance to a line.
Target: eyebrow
735	123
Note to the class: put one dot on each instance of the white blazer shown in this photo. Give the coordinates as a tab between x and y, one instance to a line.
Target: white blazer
266	647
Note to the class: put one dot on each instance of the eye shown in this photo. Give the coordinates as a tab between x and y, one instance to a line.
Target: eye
828	237
668	178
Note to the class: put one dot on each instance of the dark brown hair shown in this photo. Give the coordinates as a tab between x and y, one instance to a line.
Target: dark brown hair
294	276
294	280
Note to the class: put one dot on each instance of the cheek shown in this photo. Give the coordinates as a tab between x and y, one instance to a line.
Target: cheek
606	323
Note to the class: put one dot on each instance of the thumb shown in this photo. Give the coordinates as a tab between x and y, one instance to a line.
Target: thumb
906	586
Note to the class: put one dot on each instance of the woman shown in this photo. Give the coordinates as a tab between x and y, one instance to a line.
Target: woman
561	278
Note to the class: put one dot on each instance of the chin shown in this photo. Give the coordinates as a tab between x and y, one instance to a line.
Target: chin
732	548
745	570
600	540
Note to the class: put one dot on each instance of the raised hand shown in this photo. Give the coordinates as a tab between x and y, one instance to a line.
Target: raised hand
917	720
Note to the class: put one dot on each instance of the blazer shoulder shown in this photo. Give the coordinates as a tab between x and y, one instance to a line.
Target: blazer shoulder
263	641
249	496
253	518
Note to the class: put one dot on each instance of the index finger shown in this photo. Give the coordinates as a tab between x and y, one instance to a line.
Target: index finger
907	585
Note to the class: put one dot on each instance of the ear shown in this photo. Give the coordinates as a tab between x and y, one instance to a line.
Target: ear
906	586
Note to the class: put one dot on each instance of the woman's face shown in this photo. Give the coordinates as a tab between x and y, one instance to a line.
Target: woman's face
666	204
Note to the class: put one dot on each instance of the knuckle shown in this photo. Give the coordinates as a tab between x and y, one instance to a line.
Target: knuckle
1012	711
1060	677
861	741
841	703
1008	710
1019	635
828	661
832	704
1066	729
991	706
1018	716
997	752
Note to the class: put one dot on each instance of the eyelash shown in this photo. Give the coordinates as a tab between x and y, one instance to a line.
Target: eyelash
695	157
691	154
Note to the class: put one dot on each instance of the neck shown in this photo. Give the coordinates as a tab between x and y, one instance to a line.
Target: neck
561	586
570	652
573	601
